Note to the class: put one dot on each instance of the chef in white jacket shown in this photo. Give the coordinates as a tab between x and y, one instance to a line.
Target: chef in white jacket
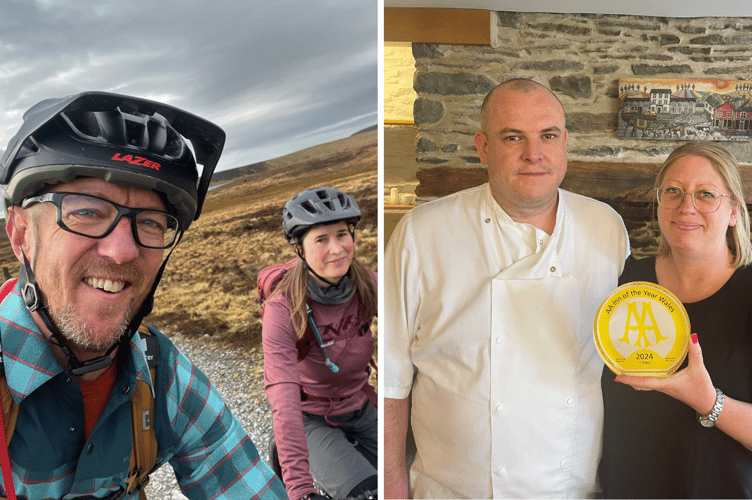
490	297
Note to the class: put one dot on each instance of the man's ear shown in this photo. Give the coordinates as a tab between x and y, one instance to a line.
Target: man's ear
481	144
20	234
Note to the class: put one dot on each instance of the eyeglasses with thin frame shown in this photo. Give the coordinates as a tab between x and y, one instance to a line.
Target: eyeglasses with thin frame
705	200
96	217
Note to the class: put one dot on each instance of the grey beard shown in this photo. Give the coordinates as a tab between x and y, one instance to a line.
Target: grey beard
82	335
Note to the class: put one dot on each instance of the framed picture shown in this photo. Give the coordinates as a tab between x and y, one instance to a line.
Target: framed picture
685	110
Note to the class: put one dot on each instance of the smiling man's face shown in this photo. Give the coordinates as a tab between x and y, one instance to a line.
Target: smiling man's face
92	287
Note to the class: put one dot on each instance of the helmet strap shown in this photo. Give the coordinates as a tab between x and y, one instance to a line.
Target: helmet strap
299	250
32	299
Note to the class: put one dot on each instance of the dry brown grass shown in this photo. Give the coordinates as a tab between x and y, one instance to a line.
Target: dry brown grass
209	287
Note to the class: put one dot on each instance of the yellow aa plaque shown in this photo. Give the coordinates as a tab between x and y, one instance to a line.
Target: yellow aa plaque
642	329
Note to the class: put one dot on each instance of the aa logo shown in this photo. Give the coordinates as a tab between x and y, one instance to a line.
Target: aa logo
643	323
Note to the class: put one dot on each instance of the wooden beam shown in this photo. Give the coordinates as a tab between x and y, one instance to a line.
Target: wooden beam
450	26
441	181
628	182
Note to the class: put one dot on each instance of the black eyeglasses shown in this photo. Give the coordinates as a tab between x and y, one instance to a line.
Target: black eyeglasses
96	217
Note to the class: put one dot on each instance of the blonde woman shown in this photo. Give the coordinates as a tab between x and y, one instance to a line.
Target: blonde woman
689	435
317	349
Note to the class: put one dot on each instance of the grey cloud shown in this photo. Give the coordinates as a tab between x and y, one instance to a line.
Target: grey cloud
307	67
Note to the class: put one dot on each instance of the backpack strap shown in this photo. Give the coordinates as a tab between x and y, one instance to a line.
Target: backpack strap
8	413
144	455
10	408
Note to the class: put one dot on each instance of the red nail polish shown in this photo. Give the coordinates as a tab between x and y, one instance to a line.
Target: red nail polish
694	338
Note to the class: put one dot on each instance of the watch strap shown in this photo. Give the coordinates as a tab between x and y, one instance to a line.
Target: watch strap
710	419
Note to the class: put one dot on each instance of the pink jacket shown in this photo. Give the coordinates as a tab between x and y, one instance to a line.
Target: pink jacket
351	348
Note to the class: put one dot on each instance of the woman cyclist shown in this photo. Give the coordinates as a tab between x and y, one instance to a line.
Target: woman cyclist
317	349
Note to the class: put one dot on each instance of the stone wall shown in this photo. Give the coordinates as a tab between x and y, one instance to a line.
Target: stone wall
581	58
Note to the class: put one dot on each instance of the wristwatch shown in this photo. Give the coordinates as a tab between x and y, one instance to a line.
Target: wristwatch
709	420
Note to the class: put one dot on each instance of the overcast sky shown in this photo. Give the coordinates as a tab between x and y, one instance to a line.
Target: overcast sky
278	76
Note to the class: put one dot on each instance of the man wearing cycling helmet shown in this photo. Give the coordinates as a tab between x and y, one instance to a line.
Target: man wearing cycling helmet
99	189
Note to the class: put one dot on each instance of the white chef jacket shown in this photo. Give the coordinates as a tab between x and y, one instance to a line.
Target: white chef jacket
489	324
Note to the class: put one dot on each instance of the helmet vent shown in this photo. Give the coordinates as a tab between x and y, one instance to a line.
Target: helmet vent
343	201
29	147
173	145
309	207
317	206
135	134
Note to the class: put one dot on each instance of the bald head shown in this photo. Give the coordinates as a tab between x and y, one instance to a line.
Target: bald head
520	85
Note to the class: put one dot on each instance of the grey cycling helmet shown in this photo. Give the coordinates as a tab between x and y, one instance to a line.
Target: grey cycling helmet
125	140
322	205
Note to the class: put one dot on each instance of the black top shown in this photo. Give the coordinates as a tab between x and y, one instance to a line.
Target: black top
653	446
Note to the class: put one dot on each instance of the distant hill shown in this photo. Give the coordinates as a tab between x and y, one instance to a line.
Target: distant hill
367	129
306	164
363	138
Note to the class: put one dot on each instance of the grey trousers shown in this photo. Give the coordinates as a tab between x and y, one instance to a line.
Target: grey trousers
342	457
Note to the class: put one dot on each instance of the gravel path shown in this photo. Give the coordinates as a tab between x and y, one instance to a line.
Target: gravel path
238	374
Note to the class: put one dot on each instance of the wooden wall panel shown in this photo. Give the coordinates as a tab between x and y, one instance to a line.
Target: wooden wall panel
449	26
631	182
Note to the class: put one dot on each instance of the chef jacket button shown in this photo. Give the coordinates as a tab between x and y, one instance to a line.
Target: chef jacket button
570	401
72	430
569	275
502	471
553	269
564	463
499	340
89	449
499	408
126	389
488	220
571	335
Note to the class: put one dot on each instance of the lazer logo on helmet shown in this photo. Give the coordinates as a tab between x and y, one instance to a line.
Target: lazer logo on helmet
137	160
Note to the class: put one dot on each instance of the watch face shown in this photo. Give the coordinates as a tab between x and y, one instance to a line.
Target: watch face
707	422
642	329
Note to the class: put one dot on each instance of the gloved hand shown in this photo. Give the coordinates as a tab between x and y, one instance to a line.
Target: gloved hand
365	495
315	496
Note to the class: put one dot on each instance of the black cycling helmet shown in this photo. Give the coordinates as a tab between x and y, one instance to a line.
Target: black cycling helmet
322	205
125	140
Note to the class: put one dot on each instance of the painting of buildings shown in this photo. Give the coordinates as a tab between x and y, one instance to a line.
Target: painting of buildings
673	109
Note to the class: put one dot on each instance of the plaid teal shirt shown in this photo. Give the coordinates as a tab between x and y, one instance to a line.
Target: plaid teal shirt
211	454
